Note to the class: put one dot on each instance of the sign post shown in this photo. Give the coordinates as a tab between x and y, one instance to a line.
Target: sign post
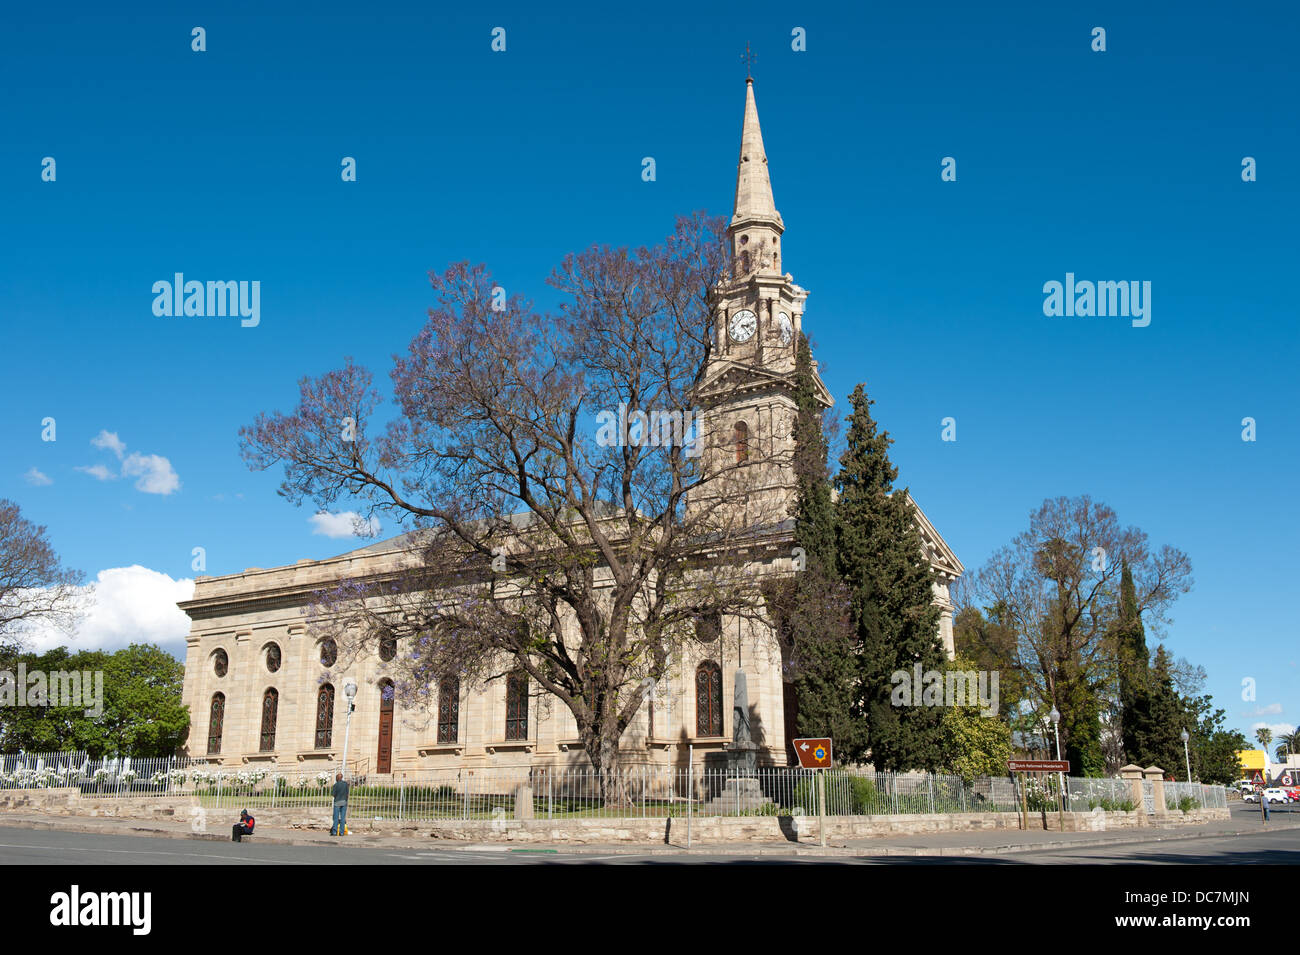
815	754
1022	766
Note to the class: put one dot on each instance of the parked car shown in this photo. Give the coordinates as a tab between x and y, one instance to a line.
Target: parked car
1276	794
1293	792
1250	796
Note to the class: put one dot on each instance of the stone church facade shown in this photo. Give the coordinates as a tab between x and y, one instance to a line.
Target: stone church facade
264	693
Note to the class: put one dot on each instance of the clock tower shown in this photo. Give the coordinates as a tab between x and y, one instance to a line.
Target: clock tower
746	390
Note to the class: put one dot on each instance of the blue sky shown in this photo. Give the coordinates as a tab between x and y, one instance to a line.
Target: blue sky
1117	165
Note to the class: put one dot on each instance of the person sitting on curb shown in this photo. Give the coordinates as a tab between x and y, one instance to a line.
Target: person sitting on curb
339	825
242	828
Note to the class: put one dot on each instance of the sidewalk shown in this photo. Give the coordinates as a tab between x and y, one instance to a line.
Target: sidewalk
928	844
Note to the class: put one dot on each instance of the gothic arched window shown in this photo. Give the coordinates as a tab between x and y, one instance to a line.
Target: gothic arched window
517	705
329	652
270	712
272	657
216	718
742	442
387	646
325	716
708	699
449	709
220	663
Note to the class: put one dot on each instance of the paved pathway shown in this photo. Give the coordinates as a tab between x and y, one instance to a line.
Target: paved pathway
1245	821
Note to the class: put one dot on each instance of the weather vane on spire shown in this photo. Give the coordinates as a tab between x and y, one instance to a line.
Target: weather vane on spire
749	59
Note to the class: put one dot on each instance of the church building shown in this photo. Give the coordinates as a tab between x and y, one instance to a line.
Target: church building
263	692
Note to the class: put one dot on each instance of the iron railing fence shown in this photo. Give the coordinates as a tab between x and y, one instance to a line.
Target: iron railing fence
109	776
1195	796
1086	794
541	792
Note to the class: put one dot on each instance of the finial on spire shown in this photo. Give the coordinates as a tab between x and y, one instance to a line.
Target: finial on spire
749	59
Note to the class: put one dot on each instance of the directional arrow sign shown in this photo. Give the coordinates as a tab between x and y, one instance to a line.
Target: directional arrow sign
813	753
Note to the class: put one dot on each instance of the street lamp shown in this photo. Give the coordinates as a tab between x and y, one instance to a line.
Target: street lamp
1186	758
350	691
1055	717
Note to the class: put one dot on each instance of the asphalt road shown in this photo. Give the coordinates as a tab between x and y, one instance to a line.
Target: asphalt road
42	847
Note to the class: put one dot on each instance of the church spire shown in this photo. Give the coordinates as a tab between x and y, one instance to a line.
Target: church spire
754	202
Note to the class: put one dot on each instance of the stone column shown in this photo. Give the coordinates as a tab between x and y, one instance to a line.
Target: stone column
1156	776
1133	774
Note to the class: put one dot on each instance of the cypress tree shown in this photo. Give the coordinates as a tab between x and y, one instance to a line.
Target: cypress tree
1132	663
889	578
1158	730
811	609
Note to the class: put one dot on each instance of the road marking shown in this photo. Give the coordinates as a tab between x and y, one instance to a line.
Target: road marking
152	852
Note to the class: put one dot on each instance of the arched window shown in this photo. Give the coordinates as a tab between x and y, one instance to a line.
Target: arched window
272	657
216	718
387	646
325	716
517	705
448	709
329	652
742	442
708	699
270	710
220	663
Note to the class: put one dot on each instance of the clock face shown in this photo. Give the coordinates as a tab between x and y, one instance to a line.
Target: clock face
785	327
743	325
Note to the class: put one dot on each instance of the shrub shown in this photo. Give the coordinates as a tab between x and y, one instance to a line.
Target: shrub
844	793
1111	805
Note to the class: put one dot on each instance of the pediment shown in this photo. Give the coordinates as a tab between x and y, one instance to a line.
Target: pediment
727	379
942	557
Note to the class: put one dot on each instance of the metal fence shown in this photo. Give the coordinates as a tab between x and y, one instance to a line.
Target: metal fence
1195	796
540	792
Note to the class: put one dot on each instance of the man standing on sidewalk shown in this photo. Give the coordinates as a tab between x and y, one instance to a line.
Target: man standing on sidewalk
339	825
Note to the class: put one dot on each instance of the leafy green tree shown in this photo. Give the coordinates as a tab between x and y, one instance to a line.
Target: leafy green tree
889	578
983	638
810	610
1212	747
974	744
142	710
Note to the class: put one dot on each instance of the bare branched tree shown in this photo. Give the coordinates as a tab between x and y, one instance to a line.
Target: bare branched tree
1056	587
573	515
35	588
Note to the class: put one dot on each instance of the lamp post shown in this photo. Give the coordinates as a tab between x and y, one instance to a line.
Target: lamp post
349	691
1184	736
1055	717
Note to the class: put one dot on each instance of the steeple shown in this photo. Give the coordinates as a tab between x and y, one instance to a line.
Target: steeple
754	203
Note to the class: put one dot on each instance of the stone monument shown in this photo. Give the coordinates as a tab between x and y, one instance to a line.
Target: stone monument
742	791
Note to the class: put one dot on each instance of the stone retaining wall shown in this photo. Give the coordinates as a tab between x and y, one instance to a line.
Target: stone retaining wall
704	829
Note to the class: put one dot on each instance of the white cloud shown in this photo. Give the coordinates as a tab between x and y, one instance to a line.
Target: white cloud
155	473
97	471
128	605
37	478
1272	709
344	524
110	441
1277	729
